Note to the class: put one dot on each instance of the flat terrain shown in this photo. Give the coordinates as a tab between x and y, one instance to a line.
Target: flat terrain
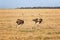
48	29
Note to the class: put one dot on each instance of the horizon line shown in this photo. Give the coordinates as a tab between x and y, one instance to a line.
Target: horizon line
37	8
33	8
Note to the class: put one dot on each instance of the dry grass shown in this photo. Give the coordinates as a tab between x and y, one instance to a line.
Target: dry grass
49	29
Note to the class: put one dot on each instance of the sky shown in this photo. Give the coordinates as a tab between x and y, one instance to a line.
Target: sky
29	3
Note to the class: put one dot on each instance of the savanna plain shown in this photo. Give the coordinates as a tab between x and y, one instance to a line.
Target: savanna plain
48	29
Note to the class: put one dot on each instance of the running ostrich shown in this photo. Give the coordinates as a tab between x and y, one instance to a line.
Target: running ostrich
37	20
20	22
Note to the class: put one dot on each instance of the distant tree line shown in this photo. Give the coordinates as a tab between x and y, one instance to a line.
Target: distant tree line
38	8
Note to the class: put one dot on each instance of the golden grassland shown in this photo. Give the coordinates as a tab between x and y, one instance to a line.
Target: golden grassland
49	29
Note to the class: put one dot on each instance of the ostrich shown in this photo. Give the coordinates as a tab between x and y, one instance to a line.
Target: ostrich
37	20
20	22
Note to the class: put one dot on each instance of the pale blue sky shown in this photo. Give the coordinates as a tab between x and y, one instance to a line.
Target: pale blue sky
28	3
